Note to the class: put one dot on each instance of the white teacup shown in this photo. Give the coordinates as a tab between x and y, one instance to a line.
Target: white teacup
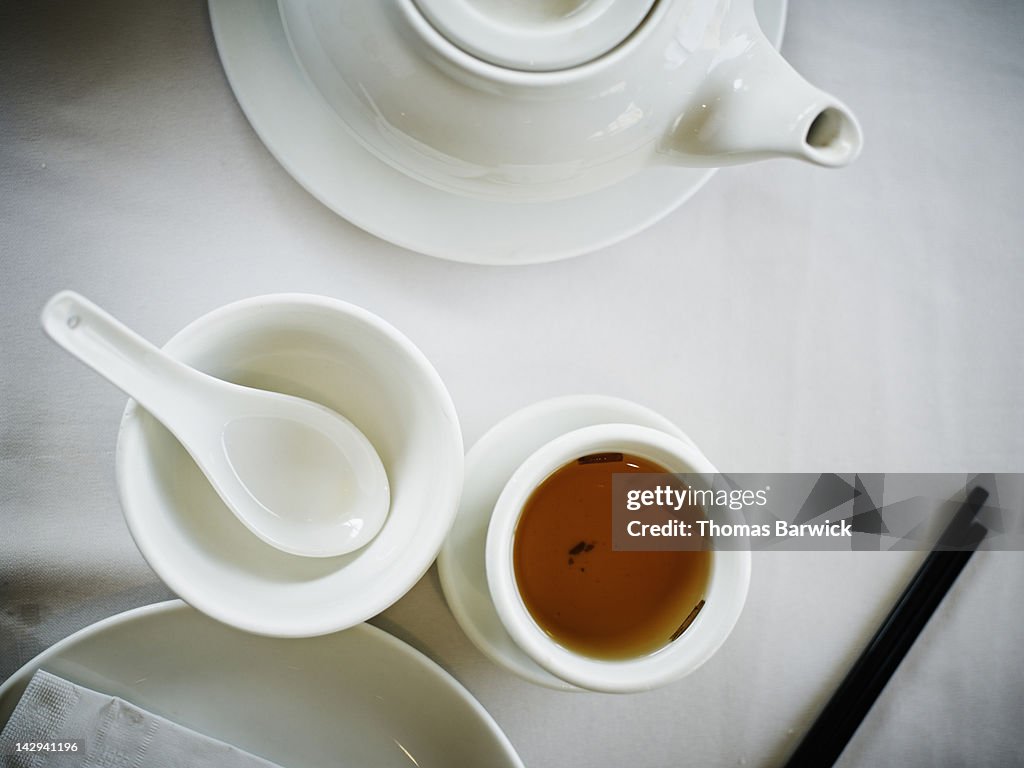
725	594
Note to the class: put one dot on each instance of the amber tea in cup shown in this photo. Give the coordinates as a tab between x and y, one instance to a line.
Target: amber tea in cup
585	596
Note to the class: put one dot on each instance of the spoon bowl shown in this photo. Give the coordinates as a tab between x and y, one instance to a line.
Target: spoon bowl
298	475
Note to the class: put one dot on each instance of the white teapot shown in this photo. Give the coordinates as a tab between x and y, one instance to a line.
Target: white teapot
532	100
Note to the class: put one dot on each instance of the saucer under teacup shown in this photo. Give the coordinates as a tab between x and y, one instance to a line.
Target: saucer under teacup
489	464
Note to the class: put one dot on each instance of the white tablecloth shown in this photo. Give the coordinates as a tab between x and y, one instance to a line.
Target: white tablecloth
788	318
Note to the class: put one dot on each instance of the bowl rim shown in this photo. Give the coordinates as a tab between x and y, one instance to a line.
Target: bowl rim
414	564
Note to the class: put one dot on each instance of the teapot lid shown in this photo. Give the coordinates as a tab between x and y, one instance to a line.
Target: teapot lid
536	35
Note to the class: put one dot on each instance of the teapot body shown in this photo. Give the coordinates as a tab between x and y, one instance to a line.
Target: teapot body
468	126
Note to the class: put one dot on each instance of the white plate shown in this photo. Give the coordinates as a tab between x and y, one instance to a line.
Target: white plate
489	465
358	697
315	147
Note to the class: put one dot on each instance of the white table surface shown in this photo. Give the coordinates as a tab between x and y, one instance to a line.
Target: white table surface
788	318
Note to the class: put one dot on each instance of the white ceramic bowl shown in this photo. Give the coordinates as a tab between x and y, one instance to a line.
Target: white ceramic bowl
343	357
727	586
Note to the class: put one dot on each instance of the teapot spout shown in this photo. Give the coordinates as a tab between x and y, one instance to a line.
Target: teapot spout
753	106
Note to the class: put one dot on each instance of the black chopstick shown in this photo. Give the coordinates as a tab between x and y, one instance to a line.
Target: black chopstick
838	721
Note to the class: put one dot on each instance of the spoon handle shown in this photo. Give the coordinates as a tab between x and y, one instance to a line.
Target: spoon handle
115	351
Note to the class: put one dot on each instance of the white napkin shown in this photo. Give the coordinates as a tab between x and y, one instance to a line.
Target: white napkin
112	733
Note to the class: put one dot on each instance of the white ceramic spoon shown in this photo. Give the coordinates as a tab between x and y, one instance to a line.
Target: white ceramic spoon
298	475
